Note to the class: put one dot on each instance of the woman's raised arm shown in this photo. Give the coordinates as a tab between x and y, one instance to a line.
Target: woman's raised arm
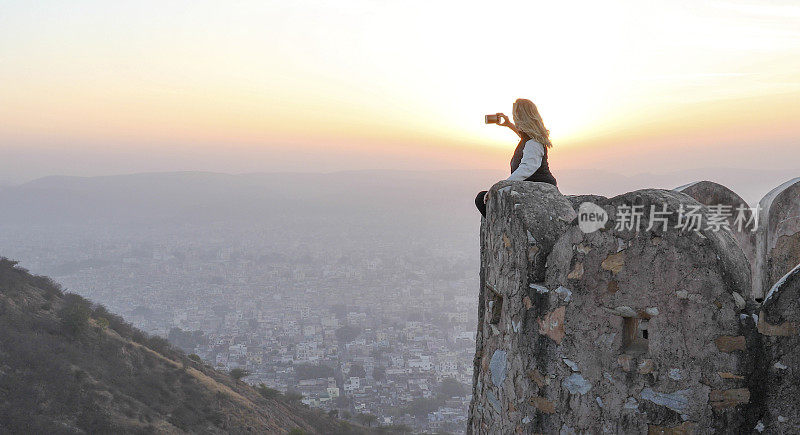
507	123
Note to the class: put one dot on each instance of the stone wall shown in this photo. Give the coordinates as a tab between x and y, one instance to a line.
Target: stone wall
711	194
779	323
778	237
620	331
524	220
774	249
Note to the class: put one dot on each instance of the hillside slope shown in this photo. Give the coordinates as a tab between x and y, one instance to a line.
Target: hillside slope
68	366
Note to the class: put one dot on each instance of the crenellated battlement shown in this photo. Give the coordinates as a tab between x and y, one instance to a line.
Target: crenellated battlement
588	322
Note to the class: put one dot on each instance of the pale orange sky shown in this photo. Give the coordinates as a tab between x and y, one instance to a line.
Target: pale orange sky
91	87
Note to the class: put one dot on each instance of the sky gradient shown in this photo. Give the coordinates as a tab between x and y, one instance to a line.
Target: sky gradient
97	87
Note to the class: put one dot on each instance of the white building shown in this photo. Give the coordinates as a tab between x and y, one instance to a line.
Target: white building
352	384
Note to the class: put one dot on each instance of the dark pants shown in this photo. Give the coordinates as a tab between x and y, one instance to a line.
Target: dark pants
479	202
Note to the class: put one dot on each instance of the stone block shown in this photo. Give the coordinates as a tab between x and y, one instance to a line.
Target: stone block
726	343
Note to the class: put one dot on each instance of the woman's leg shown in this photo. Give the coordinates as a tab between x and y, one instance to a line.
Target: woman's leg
479	202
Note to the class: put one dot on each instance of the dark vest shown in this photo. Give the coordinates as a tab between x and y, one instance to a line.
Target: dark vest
543	174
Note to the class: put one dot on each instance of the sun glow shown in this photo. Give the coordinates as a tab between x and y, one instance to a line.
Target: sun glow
391	77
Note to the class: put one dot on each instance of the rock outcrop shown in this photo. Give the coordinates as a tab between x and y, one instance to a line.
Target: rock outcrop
620	330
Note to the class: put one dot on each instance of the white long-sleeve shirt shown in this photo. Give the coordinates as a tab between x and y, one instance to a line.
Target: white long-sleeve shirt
532	156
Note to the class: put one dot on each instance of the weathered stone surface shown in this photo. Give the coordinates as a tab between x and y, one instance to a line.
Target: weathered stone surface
778	236
498	367
577	384
537	377
726	375
780	312
552	325
645	367
622	350
654	331
624	361
543	405
543	212
527	302
685	428
740	302
710	193
577	200
614	262
577	272
779	322
721	399
677	401
726	343
785	329
523	222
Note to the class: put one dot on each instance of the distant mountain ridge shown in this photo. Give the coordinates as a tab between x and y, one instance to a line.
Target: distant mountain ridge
753	183
69	366
355	206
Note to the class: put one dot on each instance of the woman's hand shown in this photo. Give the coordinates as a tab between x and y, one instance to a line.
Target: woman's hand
507	123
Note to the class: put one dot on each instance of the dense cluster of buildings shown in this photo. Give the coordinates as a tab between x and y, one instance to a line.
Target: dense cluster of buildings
357	331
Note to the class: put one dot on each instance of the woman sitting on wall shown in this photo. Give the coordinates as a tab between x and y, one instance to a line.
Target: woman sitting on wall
529	162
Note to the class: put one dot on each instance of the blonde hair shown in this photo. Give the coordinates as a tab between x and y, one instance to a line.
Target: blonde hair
529	121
